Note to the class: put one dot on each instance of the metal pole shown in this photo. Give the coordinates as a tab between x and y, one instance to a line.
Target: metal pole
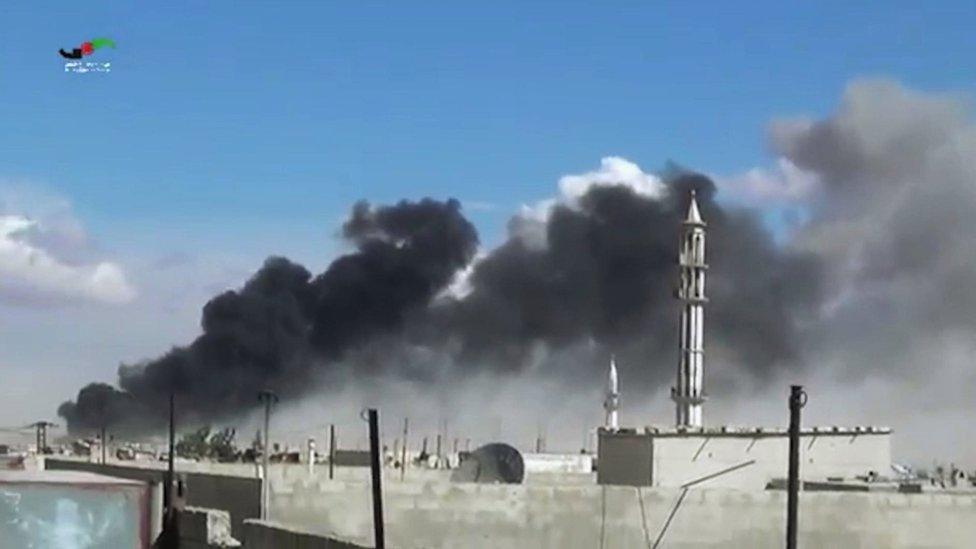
104	444
374	451
171	458
403	455
798	399
311	456
438	462
268	398
332	450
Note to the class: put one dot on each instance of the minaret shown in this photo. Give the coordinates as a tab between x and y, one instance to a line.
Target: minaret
612	402
688	394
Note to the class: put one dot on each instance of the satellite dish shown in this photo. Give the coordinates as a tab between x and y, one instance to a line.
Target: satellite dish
495	463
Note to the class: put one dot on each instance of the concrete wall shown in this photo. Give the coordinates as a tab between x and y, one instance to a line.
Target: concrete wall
626	459
434	514
201	528
557	463
678	459
270	535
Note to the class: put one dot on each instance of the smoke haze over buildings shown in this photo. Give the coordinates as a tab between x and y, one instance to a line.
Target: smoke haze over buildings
873	279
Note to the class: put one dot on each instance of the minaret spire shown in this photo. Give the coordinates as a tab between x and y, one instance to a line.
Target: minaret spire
689	394
612	402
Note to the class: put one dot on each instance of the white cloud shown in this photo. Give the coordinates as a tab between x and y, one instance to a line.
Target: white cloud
782	184
32	271
614	170
530	223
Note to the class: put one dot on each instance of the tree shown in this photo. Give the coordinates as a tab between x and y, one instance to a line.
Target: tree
204	444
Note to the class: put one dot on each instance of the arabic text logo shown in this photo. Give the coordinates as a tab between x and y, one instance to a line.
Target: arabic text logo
87	48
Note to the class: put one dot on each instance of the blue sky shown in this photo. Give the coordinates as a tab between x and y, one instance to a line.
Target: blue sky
228	131
244	123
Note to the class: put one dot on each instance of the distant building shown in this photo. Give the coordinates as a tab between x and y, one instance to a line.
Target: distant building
744	458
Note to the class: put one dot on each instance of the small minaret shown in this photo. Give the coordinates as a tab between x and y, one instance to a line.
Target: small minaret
612	402
689	395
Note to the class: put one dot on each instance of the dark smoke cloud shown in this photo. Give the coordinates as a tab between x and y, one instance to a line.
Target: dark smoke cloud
605	275
600	280
282	326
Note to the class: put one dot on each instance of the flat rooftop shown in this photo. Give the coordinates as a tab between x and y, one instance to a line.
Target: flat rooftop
750	432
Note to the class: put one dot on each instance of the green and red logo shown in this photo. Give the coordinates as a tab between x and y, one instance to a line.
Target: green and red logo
87	48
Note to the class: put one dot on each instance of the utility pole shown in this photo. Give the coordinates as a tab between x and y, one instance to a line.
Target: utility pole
438	461
403	450
169	539
171	457
269	399
332	450
374	451
798	399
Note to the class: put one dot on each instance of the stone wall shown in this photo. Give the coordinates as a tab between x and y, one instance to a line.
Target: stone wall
436	514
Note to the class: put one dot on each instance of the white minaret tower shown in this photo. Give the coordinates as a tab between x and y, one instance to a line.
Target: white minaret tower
612	402
689	395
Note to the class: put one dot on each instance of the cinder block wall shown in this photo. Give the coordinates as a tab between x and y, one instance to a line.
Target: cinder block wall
432	515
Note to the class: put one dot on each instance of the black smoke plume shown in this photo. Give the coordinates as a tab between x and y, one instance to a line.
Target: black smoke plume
283	324
595	276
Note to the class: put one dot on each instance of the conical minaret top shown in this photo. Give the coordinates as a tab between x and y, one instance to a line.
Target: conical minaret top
694	216
688	394
612	402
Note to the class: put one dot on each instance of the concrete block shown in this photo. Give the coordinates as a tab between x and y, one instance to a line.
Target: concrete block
210	527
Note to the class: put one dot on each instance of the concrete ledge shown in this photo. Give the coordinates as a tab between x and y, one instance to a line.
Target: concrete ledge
208	528
260	534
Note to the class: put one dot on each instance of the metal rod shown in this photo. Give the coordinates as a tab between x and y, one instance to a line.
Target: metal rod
374	453
718	473
332	450
684	491
403	455
667	523
438	464
269	399
797	399
171	458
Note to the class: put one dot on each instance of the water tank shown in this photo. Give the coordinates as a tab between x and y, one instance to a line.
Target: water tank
490	464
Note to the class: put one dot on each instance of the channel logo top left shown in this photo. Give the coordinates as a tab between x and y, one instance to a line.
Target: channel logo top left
85	50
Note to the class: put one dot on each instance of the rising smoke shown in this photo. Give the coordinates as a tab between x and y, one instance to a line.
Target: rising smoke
597	276
873	282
